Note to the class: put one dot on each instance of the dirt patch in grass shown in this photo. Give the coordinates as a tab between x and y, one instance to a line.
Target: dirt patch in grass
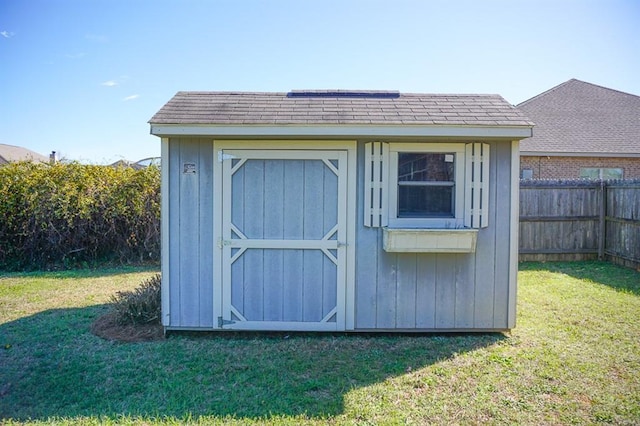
108	328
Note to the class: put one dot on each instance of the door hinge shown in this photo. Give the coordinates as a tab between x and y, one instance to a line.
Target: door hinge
222	156
222	243
222	322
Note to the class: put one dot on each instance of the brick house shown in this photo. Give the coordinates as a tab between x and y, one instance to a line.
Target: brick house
582	131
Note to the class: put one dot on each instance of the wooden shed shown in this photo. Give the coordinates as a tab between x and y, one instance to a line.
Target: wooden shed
339	211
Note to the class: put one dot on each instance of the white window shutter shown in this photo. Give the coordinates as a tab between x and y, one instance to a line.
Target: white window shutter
376	175
476	188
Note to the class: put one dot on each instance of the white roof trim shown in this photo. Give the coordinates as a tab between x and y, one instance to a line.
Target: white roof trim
511	132
580	154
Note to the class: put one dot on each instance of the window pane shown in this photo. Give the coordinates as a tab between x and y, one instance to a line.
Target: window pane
590	173
600	173
425	201
611	173
425	167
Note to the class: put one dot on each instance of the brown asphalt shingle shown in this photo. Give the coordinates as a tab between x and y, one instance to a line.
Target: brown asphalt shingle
338	107
581	117
11	153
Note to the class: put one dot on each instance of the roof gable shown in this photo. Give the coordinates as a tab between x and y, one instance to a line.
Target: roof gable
11	153
337	108
576	117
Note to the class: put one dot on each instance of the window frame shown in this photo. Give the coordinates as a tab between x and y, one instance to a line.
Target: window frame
455	222
601	172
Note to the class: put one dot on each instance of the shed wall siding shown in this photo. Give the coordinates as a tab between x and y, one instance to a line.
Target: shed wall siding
191	233
438	291
401	291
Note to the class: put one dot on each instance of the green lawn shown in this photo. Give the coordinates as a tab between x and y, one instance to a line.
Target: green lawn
574	357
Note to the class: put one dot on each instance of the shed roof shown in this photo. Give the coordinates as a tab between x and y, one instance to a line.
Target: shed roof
337	113
580	118
336	107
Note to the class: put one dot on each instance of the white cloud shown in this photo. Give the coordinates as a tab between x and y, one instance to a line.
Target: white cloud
116	81
7	34
75	55
130	98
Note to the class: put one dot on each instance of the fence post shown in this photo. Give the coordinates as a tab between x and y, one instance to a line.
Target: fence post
603	224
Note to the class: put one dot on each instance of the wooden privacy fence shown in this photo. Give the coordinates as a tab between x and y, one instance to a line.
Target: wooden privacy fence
579	220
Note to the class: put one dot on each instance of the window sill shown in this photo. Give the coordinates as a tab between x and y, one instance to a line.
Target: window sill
429	240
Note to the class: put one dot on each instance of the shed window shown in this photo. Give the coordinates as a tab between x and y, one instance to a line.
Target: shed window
426	185
423	182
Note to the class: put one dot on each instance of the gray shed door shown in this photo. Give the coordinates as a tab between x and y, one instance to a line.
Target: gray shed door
284	237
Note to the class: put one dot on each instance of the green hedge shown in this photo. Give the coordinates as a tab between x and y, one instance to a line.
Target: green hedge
68	215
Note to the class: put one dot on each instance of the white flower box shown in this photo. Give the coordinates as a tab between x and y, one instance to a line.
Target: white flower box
430	240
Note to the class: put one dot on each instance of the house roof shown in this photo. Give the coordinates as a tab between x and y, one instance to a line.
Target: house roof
336	108
11	153
583	119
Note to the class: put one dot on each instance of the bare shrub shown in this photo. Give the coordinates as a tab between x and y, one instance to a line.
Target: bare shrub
139	306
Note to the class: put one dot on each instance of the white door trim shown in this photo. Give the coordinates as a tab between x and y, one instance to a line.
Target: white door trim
347	191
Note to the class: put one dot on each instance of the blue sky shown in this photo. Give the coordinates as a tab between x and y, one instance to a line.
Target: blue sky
83	77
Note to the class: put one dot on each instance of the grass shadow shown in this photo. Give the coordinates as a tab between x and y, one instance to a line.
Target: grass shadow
600	272
52	366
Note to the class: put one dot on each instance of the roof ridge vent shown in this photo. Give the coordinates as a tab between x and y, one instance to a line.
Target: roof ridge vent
369	94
